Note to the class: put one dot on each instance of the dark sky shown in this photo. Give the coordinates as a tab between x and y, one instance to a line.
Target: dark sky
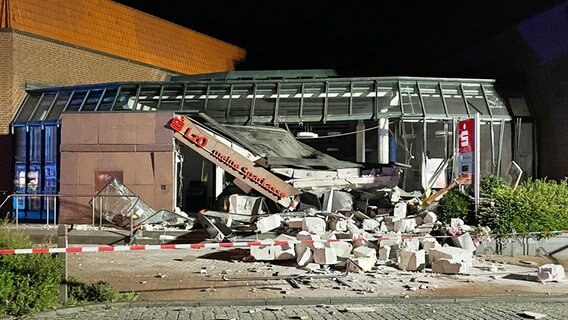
359	38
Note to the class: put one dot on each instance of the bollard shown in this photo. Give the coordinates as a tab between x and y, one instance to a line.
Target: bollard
62	243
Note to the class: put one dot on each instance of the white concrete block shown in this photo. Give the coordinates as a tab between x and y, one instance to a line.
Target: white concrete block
269	223
449	266
364	251
405	225
411	260
551	272
430	243
412	244
361	264
430	217
371	224
329	235
325	256
465	242
342	248
262	253
314	225
450	253
400	210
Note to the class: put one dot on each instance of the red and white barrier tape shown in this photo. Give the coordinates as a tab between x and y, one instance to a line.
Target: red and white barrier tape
238	244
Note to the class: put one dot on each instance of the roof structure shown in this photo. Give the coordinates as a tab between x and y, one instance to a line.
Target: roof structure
112	28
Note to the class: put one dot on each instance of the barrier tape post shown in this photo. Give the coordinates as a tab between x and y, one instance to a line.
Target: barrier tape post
62	241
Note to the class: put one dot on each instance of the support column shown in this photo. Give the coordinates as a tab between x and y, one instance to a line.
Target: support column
383	141
360	142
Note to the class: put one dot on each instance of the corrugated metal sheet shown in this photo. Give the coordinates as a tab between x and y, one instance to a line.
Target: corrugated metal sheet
106	26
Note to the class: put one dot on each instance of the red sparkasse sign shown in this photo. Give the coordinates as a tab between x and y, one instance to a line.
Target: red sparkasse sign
466	135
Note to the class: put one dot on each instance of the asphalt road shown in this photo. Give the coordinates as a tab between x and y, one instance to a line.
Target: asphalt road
399	311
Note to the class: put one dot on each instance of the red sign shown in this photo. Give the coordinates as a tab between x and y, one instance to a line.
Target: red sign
241	167
465	135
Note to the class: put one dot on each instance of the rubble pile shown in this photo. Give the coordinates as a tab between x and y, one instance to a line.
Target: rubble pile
393	230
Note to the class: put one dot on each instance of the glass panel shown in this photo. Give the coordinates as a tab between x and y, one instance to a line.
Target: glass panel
437	139
525	153
432	99
240	104
51	143
289	106
92	100
314	99
36	145
218	102
454	100
389	99
76	100
475	100
265	103
409	151
171	97
339	95
60	102
488	164
195	98
125	100
148	99
410	100
363	99
519	107
20	144
507	152
43	107
28	107
108	99
496	103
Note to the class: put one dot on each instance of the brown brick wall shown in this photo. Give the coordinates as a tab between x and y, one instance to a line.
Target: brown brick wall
40	61
6	81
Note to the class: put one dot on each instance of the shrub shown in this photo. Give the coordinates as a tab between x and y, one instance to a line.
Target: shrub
100	291
534	206
456	204
27	282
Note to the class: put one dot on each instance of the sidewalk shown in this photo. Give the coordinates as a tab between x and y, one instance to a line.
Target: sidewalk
220	274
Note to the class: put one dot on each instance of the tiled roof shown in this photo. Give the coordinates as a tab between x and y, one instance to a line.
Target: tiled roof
113	28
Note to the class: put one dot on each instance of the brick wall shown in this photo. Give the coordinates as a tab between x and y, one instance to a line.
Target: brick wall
39	61
6	81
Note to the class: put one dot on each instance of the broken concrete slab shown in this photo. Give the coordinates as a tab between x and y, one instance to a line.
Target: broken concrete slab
400	210
304	255
325	256
404	225
430	217
342	248
269	223
314	225
295	223
361	264
384	253
371	224
465	242
449	266
452	253
551	272
364	251
411	260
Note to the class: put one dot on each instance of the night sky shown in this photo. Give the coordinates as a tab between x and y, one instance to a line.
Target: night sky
356	38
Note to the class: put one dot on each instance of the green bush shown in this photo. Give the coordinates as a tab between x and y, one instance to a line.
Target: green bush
534	206
456	204
100	291
27	282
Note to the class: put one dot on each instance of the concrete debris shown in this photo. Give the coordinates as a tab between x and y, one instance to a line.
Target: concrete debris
357	309
449	266
269	223
531	315
411	260
314	225
551	272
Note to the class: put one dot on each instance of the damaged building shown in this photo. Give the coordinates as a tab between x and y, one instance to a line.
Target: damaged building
309	140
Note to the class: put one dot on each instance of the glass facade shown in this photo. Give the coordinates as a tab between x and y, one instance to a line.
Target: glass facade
422	113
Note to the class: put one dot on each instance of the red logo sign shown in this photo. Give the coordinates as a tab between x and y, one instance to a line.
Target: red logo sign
465	135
